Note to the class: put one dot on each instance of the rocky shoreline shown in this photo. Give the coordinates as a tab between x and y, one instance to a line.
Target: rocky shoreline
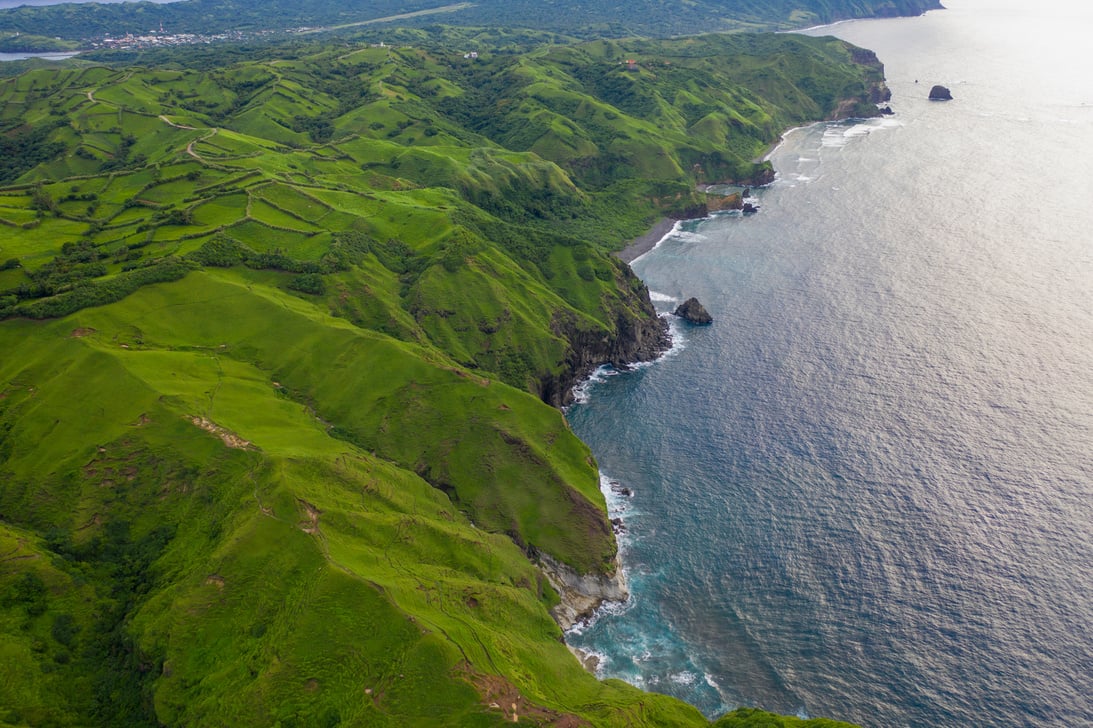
639	338
640	335
581	594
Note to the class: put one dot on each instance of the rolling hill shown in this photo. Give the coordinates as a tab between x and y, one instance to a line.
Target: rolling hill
280	343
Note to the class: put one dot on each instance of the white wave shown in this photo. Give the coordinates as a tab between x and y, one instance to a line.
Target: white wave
683	678
688	237
679	342
600	659
662	297
675	229
617	494
582	391
784	138
838	135
607	609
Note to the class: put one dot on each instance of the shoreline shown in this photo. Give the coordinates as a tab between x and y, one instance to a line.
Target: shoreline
642	244
782	140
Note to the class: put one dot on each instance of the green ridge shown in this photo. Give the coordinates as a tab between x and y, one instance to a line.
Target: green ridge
276	342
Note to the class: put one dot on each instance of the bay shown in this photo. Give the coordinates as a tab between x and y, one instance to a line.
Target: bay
866	491
50	56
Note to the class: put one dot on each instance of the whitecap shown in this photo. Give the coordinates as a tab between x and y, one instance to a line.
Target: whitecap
688	237
582	391
662	297
834	139
683	678
606	609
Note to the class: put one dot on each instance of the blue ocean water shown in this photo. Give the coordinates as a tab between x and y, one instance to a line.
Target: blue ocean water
866	491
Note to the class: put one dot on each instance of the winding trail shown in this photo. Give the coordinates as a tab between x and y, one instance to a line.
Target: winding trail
165	120
190	146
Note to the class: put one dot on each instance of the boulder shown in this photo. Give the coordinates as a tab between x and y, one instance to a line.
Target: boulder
940	93
694	312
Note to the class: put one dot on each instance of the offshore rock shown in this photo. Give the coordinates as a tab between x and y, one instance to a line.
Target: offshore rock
581	594
940	93
694	312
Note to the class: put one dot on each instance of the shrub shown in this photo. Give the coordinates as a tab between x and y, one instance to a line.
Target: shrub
312	283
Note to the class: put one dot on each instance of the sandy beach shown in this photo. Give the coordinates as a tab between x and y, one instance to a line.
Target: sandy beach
642	245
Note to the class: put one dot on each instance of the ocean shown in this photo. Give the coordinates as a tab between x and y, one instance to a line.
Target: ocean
866	491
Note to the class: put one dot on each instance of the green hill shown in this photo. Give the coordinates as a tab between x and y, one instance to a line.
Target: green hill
280	343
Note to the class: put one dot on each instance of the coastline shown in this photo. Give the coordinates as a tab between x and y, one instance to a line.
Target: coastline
782	140
641	245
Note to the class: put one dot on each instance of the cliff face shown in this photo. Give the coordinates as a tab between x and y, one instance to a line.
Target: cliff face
639	335
581	594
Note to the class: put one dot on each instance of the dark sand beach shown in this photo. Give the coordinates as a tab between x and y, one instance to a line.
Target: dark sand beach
642	245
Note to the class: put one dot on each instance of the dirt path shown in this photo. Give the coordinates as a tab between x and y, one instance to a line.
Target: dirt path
190	146
165	120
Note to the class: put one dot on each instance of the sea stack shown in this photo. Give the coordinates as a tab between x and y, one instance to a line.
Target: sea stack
694	312
940	93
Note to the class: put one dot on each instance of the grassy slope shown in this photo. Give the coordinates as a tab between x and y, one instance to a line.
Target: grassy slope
269	440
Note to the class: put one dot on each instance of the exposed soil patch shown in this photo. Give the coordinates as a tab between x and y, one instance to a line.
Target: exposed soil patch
311	525
501	695
82	332
228	437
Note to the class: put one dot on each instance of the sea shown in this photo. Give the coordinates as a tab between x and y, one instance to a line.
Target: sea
865	492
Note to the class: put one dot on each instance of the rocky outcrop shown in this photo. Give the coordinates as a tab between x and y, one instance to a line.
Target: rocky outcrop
639	335
940	93
581	594
694	312
719	203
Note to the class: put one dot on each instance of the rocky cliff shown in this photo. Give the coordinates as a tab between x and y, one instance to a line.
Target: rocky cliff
639	335
581	594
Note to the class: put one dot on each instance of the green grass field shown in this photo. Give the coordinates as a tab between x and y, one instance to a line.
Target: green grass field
276	339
